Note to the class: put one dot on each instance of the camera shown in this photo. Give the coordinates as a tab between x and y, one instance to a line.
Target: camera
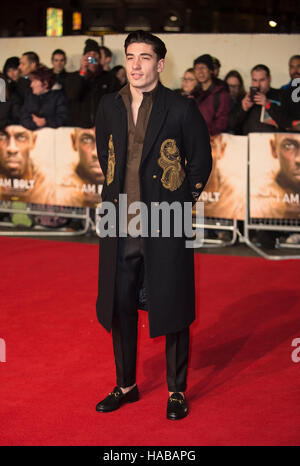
253	91
92	60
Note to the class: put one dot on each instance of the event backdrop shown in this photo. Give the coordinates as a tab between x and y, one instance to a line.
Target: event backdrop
274	175
54	167
224	195
60	167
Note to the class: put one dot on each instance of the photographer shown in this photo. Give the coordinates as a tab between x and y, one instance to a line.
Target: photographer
84	88
260	102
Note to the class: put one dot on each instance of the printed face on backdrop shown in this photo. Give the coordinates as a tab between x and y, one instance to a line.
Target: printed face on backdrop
218	147
16	143
143	67
286	148
84	142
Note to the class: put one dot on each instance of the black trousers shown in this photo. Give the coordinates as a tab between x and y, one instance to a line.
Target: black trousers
129	278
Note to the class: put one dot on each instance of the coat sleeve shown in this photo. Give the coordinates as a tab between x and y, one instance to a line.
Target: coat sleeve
102	136
197	149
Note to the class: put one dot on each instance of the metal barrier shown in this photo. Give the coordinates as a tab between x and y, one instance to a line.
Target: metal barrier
55	211
266	224
219	224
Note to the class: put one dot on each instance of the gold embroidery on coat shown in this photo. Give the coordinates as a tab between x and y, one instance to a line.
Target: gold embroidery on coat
111	161
173	172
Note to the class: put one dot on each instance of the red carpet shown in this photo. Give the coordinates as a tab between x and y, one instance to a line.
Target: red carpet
243	387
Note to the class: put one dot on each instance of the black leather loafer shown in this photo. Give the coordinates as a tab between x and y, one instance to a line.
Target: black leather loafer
177	407
116	398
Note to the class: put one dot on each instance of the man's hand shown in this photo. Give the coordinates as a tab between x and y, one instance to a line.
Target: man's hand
38	121
84	62
247	102
260	99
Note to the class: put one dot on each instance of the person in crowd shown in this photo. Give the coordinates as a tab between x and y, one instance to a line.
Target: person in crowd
29	62
83	186
294	70
10	106
211	95
247	115
20	178
11	69
189	82
217	66
105	57
235	84
85	88
59	60
44	106
120	73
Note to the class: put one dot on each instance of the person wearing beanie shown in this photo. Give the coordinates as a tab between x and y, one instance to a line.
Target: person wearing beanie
211	95
85	87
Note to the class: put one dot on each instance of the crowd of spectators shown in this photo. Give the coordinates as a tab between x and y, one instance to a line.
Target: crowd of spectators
38	96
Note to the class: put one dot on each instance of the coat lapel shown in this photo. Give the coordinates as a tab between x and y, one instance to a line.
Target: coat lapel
156	120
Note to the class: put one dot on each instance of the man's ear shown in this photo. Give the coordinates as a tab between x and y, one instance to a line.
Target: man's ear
73	141
222	150
161	65
34	136
273	148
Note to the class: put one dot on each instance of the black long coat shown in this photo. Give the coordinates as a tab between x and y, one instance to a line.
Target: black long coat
169	265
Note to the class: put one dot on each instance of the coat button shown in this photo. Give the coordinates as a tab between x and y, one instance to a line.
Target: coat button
198	185
115	201
154	177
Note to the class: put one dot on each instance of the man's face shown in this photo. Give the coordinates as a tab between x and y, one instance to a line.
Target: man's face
294	68
84	141
286	148
217	147
143	67
202	72
26	66
261	80
58	63
15	146
104	60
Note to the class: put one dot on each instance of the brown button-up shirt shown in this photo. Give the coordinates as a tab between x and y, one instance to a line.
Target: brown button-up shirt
135	142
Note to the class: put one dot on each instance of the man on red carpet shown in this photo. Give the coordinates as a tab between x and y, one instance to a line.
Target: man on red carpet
153	146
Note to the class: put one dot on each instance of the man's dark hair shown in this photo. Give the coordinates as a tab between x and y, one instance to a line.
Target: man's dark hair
59	52
294	57
106	50
147	38
32	57
262	68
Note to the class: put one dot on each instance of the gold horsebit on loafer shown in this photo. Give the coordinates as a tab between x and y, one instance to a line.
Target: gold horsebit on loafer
116	394
175	399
